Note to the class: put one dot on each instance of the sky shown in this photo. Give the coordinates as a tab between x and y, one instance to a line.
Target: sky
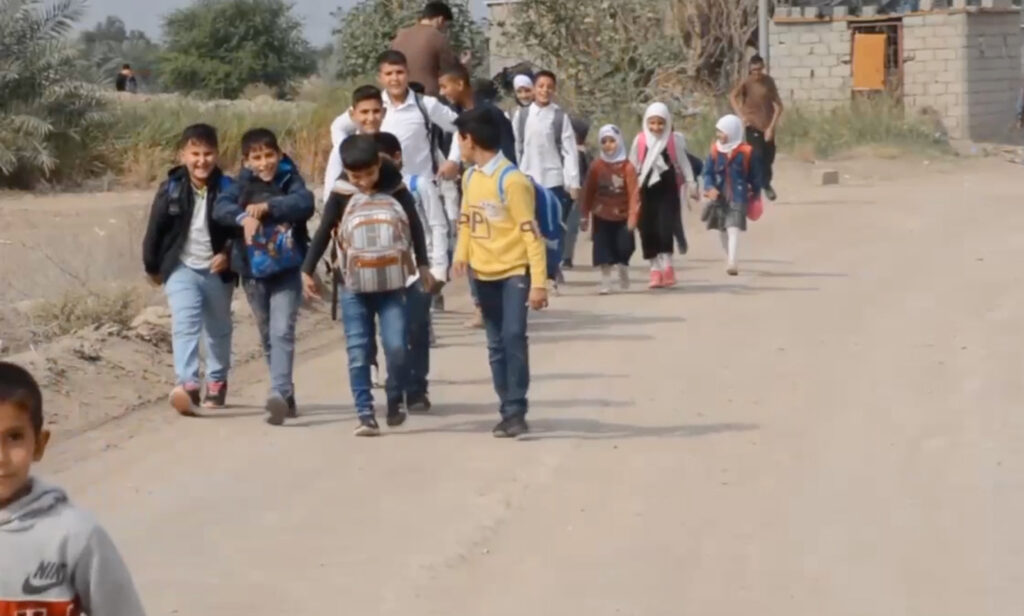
147	15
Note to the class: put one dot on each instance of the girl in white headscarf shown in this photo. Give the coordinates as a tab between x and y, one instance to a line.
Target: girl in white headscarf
610	195
522	85
732	181
665	177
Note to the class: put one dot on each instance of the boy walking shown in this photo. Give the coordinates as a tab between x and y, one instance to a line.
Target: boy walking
270	205
756	100
373	216
55	559
186	251
500	242
364	117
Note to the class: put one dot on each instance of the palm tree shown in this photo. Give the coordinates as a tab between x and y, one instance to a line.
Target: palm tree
46	111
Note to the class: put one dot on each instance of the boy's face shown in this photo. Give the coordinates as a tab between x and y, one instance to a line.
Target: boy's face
757	69
544	90
609	145
364	179
656	125
263	161
20	446
452	88
200	159
369	115
394	78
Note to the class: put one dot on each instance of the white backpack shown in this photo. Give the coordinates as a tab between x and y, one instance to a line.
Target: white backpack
375	241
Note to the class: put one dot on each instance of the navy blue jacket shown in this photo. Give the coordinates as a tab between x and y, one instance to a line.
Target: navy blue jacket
738	180
289	200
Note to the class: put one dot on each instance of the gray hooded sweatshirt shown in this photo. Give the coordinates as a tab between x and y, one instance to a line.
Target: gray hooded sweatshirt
56	560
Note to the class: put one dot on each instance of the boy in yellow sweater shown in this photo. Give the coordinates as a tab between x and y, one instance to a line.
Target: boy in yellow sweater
498	240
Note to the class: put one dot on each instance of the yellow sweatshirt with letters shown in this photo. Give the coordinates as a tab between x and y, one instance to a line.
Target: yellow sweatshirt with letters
500	239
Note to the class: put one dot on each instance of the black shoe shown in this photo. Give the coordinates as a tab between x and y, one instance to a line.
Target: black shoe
277	409
418	403
396	414
770	193
438	303
567	264
293	410
216	395
367	427
511	428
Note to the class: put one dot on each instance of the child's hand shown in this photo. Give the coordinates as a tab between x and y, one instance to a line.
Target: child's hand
219	263
427	280
538	298
712	194
574	194
310	286
250	226
258	211
154	279
459	269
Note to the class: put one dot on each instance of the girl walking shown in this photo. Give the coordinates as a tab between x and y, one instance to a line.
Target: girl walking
659	154
733	184
610	194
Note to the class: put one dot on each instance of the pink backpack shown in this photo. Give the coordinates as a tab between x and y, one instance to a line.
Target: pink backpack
641	150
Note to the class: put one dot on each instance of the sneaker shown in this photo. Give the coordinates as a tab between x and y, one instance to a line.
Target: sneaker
396	414
375	379
216	394
623	277
567	264
605	288
277	409
732	270
367	427
512	427
185	399
770	193
419	403
293	410
477	322
669	276
438	303
657	281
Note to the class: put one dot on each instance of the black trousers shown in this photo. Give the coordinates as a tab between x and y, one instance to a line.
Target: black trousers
764	154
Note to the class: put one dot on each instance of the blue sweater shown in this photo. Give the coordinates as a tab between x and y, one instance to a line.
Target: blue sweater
729	176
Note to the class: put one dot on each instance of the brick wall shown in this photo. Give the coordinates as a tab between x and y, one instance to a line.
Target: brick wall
935	67
810	62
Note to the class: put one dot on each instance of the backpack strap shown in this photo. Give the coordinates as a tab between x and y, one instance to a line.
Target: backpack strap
559	126
414	183
523	114
428	124
501	181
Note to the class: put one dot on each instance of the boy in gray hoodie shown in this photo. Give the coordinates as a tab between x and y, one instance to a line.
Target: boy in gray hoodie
55	559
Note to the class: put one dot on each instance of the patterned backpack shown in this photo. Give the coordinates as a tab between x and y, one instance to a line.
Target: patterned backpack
375	242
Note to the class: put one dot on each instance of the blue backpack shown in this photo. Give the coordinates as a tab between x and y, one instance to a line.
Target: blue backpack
548	213
273	249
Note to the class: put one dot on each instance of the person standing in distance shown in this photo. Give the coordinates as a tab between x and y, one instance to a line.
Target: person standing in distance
756	100
426	46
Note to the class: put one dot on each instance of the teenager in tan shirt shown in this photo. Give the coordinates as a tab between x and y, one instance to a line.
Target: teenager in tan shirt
756	100
426	46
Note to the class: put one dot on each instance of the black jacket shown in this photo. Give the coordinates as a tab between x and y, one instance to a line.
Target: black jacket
171	216
390	182
289	200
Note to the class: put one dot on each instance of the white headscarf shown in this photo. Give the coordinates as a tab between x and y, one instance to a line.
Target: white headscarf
610	130
654	165
732	126
522	81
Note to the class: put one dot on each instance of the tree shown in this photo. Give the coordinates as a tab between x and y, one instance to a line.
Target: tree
217	47
48	116
109	45
367	29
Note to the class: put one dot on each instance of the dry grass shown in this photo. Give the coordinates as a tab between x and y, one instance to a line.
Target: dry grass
80	309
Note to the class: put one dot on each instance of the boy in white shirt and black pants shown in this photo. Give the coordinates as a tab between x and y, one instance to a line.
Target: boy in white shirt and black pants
546	144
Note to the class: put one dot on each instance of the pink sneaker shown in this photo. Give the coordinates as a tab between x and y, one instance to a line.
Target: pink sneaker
657	280
669	276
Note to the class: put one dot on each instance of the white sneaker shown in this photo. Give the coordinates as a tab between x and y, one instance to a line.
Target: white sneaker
605	288
623	277
732	270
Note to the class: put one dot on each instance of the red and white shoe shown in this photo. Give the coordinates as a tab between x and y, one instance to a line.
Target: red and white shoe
657	280
669	276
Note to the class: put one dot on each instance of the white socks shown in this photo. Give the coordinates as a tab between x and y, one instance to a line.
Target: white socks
734	238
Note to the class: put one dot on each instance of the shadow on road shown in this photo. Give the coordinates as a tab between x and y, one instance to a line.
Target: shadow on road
548	429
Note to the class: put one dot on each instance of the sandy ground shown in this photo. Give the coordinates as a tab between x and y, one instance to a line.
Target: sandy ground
836	431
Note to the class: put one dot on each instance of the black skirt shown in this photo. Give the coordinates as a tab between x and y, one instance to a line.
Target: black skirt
613	243
661	215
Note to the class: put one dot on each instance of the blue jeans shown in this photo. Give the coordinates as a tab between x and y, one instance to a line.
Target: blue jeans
200	303
275	305
418	324
358	311
503	304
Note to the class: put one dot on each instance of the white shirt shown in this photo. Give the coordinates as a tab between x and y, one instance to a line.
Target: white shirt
404	121
540	158
435	223
198	250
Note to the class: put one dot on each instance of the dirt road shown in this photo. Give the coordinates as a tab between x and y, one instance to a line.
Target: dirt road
837	431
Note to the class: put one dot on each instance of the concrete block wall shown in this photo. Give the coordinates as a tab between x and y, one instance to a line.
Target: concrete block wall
993	66
810	62
935	68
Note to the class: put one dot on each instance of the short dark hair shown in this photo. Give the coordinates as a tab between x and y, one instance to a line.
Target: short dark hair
359	152
388	144
392	56
203	134
417	87
20	389
480	126
545	73
458	71
436	9
259	138
756	59
486	89
366	93
126	66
